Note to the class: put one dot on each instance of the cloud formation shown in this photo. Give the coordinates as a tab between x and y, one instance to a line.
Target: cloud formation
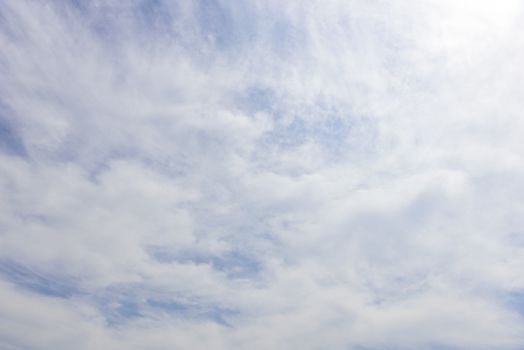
261	175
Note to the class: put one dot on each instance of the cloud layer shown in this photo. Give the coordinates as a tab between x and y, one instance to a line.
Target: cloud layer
261	175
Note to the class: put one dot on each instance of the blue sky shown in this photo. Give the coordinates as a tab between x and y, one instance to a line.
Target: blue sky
261	175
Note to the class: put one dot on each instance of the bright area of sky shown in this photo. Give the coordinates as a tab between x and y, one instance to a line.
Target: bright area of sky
262	174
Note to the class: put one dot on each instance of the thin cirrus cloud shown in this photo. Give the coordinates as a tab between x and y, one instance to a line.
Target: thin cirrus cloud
264	174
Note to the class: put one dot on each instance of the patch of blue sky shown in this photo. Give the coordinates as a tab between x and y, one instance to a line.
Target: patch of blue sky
193	311
112	23
120	311
125	303
227	26
95	15
155	14
235	264
329	124
120	304
515	301
37	281
330	133
10	141
258	99
9	22
287	40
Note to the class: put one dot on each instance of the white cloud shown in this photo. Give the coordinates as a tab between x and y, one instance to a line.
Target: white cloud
261	175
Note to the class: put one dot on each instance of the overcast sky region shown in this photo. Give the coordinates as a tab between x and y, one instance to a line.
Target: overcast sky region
261	174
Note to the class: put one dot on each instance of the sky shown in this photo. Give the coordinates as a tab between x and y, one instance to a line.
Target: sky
261	174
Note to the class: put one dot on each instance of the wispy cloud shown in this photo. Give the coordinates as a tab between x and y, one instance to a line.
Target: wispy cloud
288	175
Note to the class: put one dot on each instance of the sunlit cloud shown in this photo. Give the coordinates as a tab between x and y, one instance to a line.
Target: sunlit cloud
261	175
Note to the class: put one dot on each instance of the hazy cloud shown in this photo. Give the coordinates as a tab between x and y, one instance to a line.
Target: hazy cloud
265	174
